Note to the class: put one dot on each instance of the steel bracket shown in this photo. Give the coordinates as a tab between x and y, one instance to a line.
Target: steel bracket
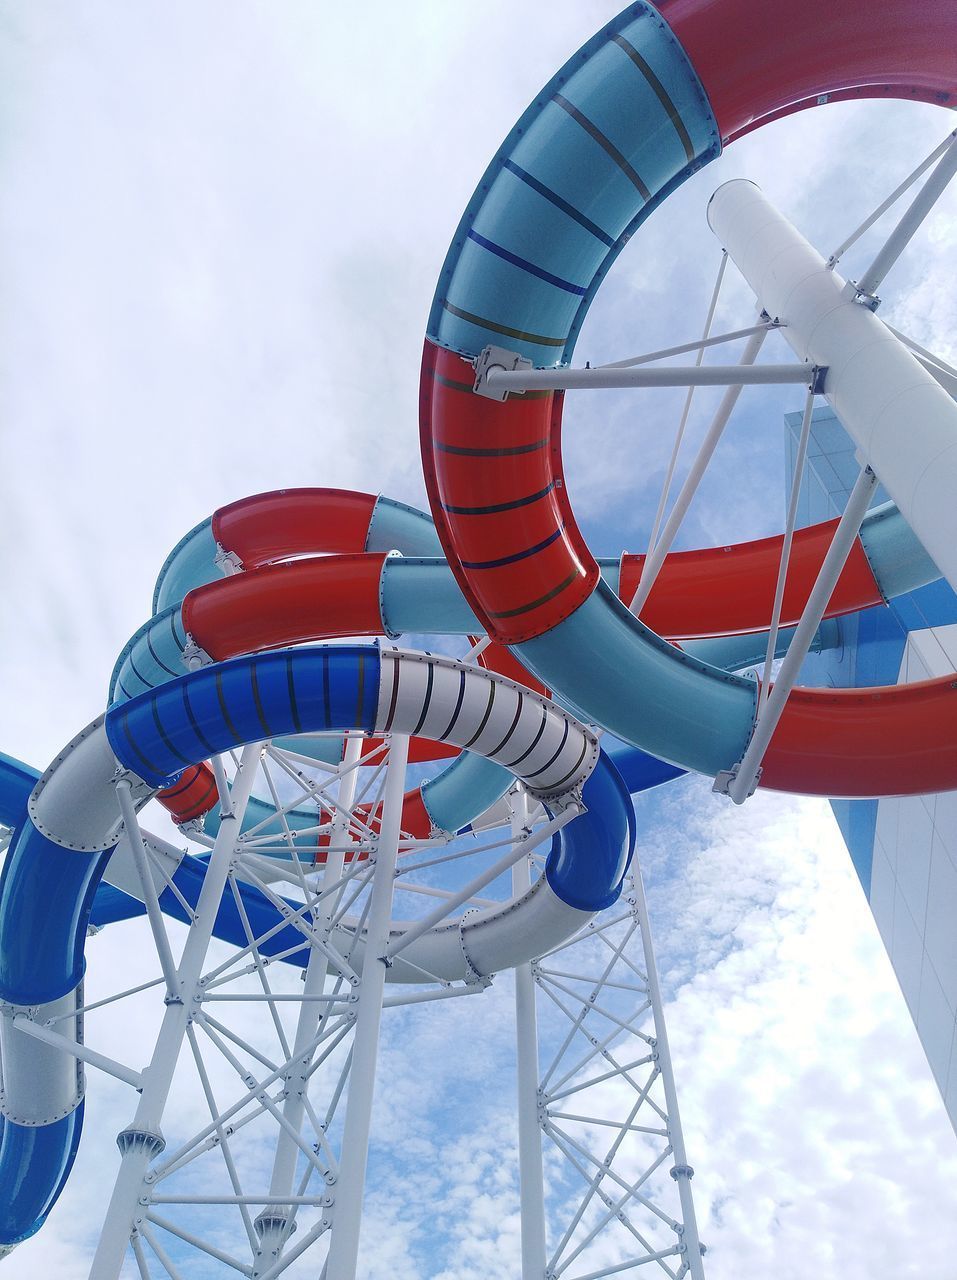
496	358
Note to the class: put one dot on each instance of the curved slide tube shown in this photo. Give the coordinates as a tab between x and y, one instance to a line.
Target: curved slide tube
281	598
72	830
288	592
605	142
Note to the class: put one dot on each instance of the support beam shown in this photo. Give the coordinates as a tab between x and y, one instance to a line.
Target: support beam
350	1184
508	860
531	1174
904	232
902	421
274	1225
681	1171
498	381
656	554
143	1138
739	782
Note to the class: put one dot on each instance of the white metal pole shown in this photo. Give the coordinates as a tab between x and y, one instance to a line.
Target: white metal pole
124	796
790	523
571	810
531	1174
143	1138
347	1213
657	554
682	1171
894	196
700	345
272	1224
741	784
902	234
904	424
606	378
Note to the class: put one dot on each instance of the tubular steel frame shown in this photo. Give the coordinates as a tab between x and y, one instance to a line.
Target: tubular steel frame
303	1188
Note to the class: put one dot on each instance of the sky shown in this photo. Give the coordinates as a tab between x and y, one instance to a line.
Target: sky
220	231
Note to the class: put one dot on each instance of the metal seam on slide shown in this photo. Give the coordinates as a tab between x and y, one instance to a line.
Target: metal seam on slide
145	683
210	788
517	555
660	91
129	737
257	700
535	741
518	711
605	143
512	451
186	780
496	508
534	604
326	688
227	718
194	723
554	198
180	642
165	737
458	708
465	387
536	339
155	656
574	769
488	711
291	687
395	694
524	265
545	767
428	698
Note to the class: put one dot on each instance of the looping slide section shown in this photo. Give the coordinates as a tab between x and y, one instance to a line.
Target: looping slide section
630	116
307	565
72	829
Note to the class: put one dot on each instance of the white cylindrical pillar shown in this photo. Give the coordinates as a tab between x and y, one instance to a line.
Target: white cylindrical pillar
347	1215
273	1224
902	421
142	1140
531	1172
681	1171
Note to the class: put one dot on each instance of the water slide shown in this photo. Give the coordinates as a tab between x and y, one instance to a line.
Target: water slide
646	102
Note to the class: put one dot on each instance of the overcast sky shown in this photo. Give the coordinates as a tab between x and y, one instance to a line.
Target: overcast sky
220	230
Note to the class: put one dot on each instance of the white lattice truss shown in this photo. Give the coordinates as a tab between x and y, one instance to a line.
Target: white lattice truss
262	1078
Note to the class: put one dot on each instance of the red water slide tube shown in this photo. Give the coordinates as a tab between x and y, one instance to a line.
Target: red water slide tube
494	471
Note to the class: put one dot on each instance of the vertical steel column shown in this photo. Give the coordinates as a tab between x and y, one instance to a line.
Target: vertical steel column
143	1138
530	1168
903	233
273	1222
682	1171
347	1214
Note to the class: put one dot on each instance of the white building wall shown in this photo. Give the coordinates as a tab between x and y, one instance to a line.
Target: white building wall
914	887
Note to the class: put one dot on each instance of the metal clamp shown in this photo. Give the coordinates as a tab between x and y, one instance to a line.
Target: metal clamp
496	358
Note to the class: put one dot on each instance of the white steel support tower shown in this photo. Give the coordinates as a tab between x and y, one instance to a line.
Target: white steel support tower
282	1058
608	1106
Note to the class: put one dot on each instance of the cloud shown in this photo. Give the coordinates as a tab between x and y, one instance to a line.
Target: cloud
219	237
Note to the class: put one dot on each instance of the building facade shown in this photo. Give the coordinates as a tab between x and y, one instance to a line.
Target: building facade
903	850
